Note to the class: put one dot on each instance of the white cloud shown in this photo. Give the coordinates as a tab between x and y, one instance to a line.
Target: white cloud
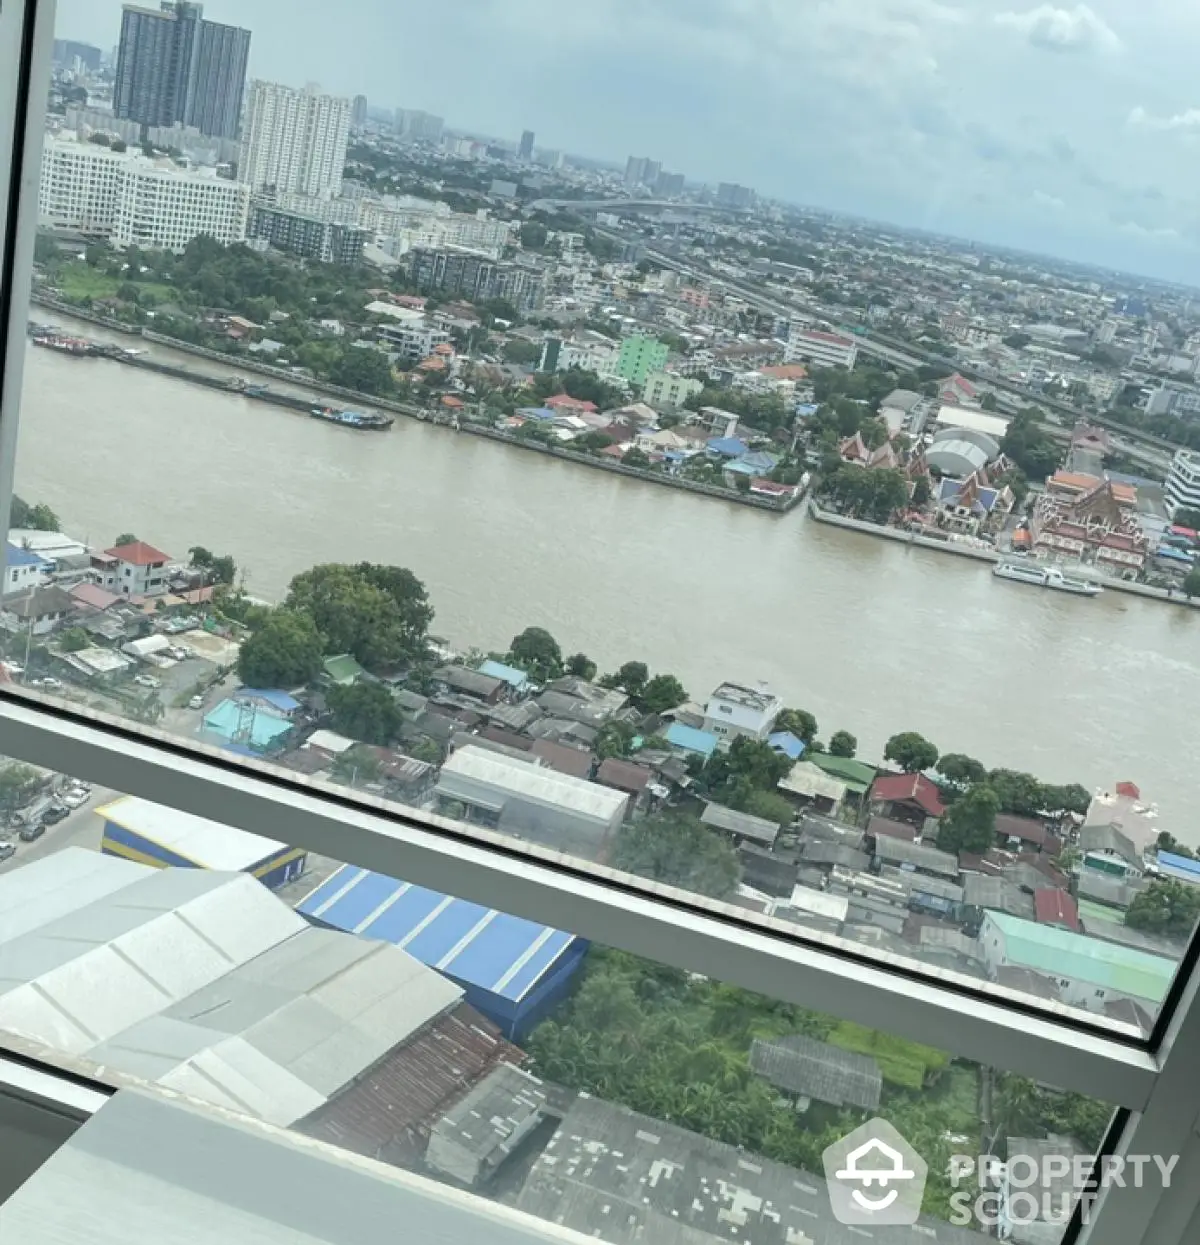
1053	202
1062	30
1141	119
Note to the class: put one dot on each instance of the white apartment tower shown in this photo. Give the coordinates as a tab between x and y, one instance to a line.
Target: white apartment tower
294	141
136	201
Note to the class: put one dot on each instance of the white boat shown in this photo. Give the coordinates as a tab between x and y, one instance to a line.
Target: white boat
1046	577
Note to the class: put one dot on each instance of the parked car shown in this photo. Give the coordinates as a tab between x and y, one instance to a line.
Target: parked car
147	680
54	814
196	702
7	850
48	683
29	833
74	797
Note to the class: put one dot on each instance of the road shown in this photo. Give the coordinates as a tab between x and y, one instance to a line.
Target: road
82	828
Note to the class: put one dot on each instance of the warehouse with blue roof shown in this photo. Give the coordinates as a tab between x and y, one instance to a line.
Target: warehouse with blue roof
512	970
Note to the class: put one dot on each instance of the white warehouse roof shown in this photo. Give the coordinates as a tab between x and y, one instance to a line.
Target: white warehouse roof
973	420
470	768
207	844
203	982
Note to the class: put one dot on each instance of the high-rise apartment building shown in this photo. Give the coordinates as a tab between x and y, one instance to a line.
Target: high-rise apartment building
635	170
175	68
307	236
730	194
134	201
669	185
418	126
358	112
525	151
68	52
475	276
294	140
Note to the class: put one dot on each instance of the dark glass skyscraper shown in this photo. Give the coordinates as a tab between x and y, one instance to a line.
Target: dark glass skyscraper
175	68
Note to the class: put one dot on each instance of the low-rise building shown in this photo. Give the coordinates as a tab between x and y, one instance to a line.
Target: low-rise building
735	710
821	349
667	389
138	569
531	802
1088	972
1100	527
307	236
1183	482
24	570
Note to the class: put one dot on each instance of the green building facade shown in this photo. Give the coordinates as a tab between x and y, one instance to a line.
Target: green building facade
639	357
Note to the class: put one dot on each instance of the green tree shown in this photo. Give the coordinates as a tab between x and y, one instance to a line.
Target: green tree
679	851
74	639
581	666
533	235
1018	793
363	369
969	824
200	556
1185	517
125	538
518	351
1191	583
356	765
922	492
425	749
15	779
632	677
1029	447
380	614
1165	907
43	519
661	693
960	768
910	751
284	652
800	722
615	739
749	764
365	711
1167	842
1073	798
842	744
769	806
636	458
535	650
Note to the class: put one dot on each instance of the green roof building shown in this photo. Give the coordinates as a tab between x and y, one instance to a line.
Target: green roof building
857	775
639	357
1088	972
342	670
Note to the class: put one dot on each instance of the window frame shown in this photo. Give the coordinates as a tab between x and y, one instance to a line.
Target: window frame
1152	1079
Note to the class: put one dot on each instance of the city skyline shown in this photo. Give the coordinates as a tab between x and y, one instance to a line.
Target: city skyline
923	123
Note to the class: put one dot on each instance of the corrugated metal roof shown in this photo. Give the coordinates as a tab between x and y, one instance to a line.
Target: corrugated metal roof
209	984
479	946
208	844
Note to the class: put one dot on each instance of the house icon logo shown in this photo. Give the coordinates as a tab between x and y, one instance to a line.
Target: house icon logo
875	1176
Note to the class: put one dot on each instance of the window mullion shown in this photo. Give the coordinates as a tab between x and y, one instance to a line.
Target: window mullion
587	900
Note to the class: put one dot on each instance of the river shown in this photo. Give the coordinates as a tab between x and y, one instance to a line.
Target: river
872	636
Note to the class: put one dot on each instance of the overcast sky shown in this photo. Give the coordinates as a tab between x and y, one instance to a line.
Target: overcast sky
1072	129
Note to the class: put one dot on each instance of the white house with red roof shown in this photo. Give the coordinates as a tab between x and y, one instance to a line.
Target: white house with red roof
138	569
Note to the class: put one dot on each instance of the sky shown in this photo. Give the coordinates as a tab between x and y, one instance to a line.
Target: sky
1067	129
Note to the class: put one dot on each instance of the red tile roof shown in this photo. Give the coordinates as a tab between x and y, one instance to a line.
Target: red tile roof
1129	790
93	595
566	402
138	554
623	776
1055	907
909	789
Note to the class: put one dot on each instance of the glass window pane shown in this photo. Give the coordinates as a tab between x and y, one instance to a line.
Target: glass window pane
588	1087
613	509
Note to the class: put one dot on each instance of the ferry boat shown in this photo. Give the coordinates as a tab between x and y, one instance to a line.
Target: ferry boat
352	419
78	346
1046	577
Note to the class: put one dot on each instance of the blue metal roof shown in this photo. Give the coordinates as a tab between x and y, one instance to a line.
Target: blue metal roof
510	674
16	555
273	696
728	446
1181	867
543	414
787	743
476	946
691	740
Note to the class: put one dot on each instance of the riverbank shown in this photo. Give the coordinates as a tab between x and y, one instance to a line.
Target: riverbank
320	389
961	550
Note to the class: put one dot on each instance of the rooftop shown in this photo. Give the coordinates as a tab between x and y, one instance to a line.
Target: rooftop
909	789
759	699
138	553
802	1065
206	844
743	825
1061	953
490	1115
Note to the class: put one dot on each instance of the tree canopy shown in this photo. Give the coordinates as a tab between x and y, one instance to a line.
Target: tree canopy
581	666
365	711
680	851
910	751
662	692
969	824
842	744
285	651
800	722
1165	906
1029	447
380	614
537	652
39	517
960	768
